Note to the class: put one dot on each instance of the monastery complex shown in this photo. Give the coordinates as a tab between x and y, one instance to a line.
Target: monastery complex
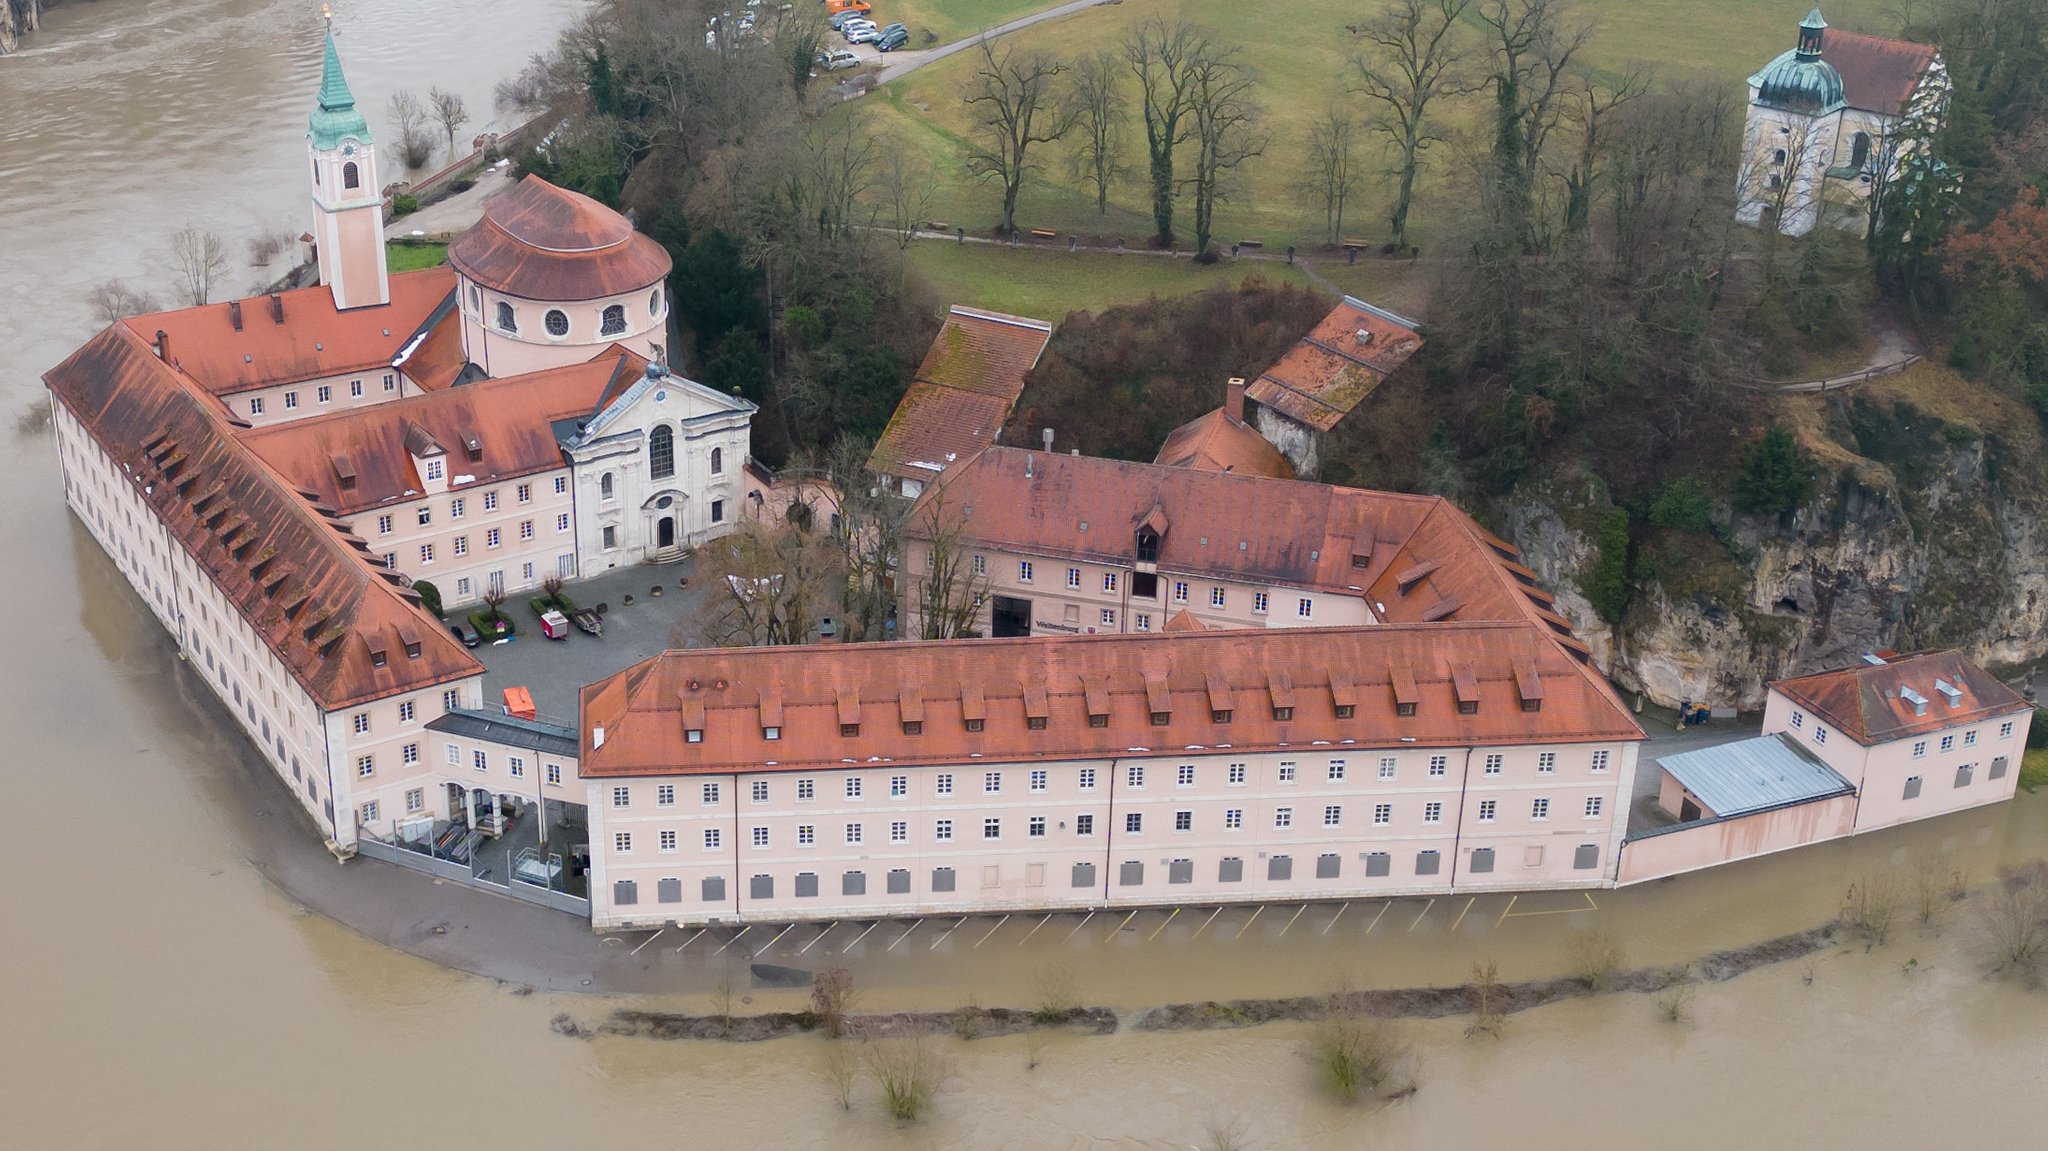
1206	678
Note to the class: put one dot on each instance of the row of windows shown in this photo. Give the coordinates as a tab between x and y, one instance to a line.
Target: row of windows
480	760
458	507
1964	774
415	803
323	394
1083	876
1947	743
611	322
492	539
1039	779
1084	824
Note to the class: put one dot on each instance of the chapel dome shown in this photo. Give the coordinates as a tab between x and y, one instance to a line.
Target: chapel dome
540	242
1800	80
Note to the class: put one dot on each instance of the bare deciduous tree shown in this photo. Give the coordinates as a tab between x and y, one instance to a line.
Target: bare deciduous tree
839	159
949	594
415	146
908	185
1532	43
1162	57
842	1070
1780	182
200	258
1410	56
1013	103
450	112
871	521
798	36
1359	1055
1589	107
1096	96
763	586
2012	923
1226	116
1330	168
909	1072
113	300
525	90
832	999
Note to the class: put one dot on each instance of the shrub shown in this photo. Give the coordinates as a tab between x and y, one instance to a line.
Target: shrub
1683	506
2037	735
1357	1054
491	624
457	187
1597	956
2012	923
430	597
1775	476
1606	586
1869	907
831	998
404	204
908	1073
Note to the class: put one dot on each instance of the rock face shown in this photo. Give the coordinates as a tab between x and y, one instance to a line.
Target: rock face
1946	549
16	18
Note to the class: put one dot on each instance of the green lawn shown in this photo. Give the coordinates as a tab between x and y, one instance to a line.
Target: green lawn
1049	284
2034	768
951	20
412	257
1299	50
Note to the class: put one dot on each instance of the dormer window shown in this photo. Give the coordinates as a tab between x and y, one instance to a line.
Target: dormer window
913	727
1401	709
1468	707
1161	718
849	729
771	734
693	735
1098	720
1033	723
1219	716
1346	710
1283	714
975	724
435	471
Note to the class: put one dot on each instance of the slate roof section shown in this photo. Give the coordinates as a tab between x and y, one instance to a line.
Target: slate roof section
311	341
1217	443
1751	775
543	737
1878	74
644	711
511	421
1865	701
540	242
962	393
1339	363
304	585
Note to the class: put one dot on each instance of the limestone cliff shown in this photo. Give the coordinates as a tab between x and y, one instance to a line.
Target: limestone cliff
17	17
1921	533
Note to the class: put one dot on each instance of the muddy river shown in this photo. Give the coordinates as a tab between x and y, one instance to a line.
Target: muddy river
157	991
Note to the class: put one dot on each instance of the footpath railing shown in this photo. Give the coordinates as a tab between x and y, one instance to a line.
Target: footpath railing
486	145
1836	383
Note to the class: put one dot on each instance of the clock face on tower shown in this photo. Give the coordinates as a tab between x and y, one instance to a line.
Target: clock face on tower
348	149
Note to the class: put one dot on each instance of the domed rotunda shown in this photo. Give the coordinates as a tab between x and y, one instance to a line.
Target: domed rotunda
549	276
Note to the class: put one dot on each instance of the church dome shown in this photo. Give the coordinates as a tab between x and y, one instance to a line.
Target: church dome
1800	80
540	242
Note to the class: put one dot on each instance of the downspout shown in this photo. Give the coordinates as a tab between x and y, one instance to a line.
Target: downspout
1458	834
1108	830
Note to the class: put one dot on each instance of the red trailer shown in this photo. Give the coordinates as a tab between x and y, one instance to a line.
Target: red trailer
554	625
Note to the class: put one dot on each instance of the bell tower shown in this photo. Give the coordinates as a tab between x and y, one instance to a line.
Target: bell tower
348	201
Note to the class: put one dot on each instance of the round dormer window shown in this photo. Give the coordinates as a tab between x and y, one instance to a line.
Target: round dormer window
654	302
557	322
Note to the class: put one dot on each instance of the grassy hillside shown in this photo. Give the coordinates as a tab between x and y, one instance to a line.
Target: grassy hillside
1049	284
1299	49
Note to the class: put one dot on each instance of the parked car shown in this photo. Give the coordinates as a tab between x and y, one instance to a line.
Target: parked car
891	38
838	20
461	630
864	32
838	60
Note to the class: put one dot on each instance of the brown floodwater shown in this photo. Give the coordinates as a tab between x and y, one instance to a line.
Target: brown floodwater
156	991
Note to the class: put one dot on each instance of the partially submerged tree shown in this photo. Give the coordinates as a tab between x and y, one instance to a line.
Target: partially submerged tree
1408	58
908	1072
201	258
450	112
1163	56
1014	106
415	145
113	300
1096	97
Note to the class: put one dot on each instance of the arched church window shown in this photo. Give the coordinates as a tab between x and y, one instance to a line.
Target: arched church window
1859	150
604	486
506	319
476	300
614	320
557	322
717	461
316	173
654	302
661	453
1778	157
350	176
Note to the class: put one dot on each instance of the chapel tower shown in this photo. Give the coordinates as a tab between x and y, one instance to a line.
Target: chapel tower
348	201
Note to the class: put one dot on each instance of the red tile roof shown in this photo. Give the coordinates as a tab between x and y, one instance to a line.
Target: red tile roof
1865	701
438	359
963	392
1216	443
1878	74
1337	364
340	626
312	340
509	420
540	242
646	710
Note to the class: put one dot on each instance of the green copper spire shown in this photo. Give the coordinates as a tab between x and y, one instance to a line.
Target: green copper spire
336	117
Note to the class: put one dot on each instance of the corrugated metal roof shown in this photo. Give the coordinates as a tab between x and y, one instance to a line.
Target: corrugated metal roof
1752	774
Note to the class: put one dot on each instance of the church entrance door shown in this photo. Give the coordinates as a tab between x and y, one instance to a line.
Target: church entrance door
665	532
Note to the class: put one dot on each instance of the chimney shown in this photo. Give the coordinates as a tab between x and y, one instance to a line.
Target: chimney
1046	436
276	308
235	314
1233	398
163	345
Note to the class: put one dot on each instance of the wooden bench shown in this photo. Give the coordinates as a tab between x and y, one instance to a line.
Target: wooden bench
1045	233
938	225
1359	245
1254	245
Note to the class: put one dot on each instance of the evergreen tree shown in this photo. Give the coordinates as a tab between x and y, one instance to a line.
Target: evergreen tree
1774	478
1606	586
